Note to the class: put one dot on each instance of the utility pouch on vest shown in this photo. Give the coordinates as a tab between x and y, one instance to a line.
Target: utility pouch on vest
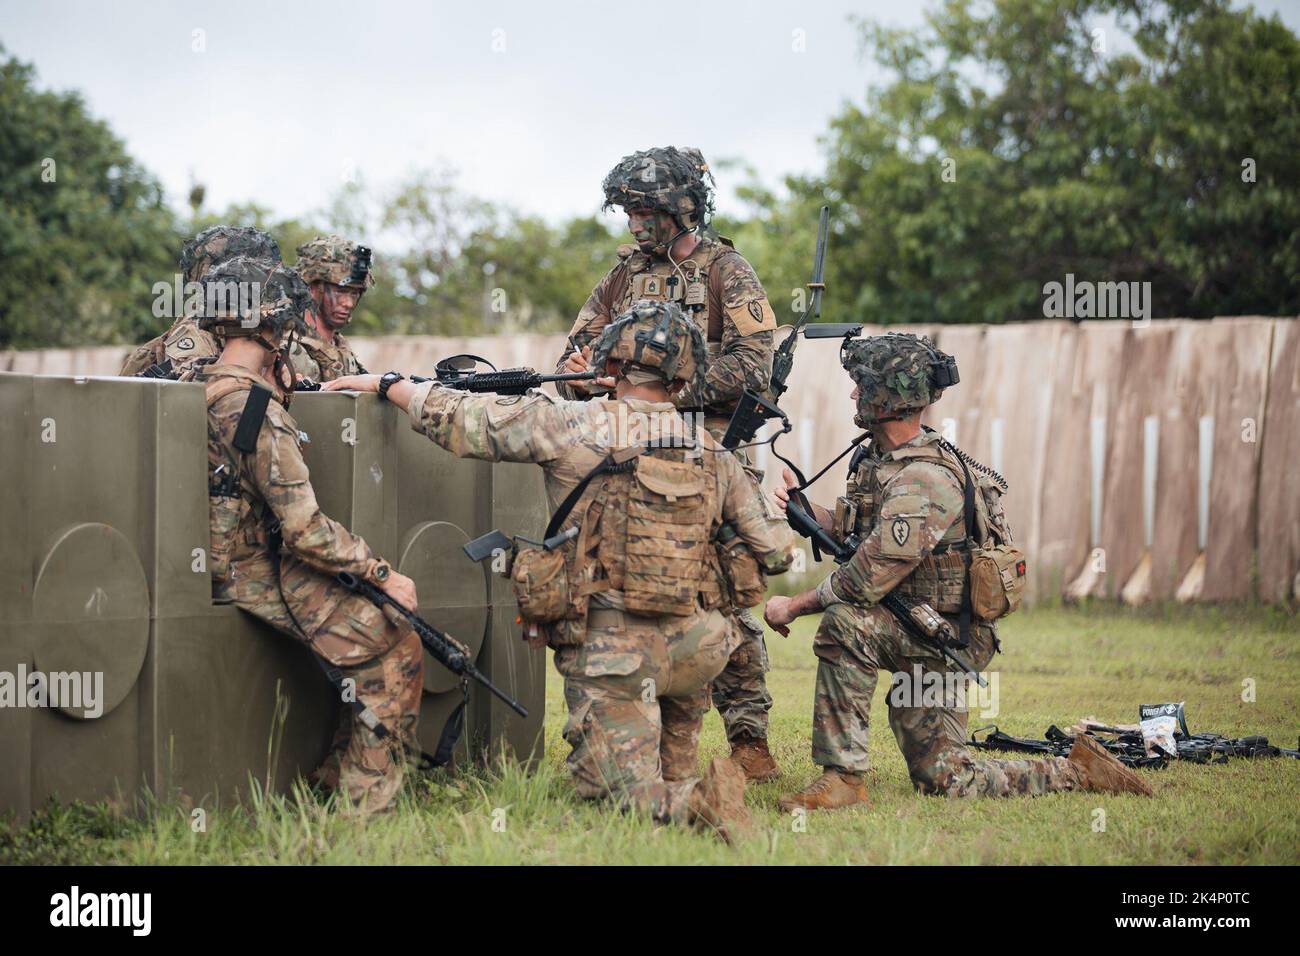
667	535
997	581
744	578
540	579
846	516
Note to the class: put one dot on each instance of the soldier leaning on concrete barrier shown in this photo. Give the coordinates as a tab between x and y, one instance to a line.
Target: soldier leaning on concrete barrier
630	600
184	344
906	500
665	192
338	273
273	553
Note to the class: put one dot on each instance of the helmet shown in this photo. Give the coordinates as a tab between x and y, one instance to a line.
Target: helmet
897	371
337	261
243	295
219	243
675	181
655	338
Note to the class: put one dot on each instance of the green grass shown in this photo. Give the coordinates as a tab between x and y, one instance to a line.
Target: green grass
1059	664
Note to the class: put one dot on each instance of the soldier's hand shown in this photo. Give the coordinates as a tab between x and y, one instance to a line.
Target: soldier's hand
782	495
581	362
779	614
578	361
352	383
402	590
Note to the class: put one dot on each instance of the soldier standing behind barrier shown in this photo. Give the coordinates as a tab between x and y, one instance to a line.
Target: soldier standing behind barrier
665	192
908	503
629	594
185	345
274	555
338	273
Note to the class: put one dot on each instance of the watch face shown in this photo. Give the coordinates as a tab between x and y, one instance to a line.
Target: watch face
381	572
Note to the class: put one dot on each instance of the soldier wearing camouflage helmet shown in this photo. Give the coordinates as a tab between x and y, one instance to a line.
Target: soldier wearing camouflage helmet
640	492
274	554
906	503
185	345
666	194
338	273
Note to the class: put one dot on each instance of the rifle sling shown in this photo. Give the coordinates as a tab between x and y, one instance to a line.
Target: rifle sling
608	466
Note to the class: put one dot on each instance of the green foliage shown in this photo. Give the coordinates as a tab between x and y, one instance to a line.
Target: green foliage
1117	165
84	231
449	264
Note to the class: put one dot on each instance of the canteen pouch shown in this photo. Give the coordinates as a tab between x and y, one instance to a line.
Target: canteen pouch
667	537
540	579
997	581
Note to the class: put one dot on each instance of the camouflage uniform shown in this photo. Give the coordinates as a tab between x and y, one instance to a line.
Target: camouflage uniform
335	261
722	293
265	497
907	504
636	686
186	345
320	361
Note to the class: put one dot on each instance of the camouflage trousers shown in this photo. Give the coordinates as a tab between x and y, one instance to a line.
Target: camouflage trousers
853	644
385	663
740	692
637	690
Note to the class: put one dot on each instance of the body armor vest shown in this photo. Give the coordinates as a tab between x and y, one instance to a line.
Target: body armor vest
939	578
320	362
647	530
657	280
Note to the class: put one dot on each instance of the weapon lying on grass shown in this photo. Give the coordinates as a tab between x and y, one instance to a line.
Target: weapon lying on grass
445	650
1129	747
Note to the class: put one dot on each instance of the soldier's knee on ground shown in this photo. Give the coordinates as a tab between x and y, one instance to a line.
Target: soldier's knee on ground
940	774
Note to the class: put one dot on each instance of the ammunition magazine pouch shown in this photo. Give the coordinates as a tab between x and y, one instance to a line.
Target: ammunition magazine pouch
937	581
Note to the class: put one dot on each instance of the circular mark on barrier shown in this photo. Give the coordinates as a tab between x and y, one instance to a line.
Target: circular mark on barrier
91	613
453	592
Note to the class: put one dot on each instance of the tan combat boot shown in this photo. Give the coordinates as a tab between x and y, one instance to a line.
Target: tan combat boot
718	801
1098	769
755	759
831	791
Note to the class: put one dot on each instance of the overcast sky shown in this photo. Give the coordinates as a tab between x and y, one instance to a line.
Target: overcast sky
530	102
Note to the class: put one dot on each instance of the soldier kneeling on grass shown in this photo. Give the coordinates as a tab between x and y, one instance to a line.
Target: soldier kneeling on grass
274	555
630	595
922	518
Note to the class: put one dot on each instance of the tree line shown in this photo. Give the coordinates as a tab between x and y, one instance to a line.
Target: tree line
1015	143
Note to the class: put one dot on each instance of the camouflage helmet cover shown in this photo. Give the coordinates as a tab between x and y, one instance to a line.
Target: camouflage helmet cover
216	244
337	261
243	295
654	336
675	181
897	371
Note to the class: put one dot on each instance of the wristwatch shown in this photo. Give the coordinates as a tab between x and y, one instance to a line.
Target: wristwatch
386	382
378	571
